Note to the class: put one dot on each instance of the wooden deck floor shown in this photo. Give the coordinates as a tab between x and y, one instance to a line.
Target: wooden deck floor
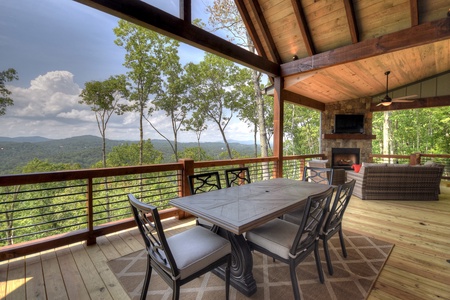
418	267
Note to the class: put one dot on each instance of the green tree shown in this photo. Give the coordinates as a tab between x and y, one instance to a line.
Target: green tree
144	58
196	123
171	98
129	155
301	128
195	153
225	16
22	216
104	99
6	76
215	91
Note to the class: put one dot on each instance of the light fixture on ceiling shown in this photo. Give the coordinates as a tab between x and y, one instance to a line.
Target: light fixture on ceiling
386	101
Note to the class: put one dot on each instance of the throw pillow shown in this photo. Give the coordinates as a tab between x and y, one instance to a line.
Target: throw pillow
356	167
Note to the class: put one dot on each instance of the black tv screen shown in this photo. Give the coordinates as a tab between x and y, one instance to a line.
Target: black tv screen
349	124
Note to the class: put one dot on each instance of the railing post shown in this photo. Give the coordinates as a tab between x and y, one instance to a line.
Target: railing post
414	159
90	213
183	185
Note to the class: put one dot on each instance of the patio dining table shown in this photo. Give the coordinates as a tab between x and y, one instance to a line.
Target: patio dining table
238	209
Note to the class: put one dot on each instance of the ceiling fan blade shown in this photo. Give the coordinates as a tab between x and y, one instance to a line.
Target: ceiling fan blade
406	97
402	100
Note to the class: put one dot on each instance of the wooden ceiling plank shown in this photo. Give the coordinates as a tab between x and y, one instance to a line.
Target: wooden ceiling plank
250	27
351	19
152	18
265	31
412	37
303	26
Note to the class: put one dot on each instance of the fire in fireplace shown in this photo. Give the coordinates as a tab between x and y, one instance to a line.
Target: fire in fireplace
344	158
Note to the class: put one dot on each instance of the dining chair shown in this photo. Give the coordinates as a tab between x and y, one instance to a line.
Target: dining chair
202	183
291	243
333	222
182	257
318	175
311	174
237	176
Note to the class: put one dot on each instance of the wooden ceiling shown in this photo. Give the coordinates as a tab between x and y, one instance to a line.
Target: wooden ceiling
342	47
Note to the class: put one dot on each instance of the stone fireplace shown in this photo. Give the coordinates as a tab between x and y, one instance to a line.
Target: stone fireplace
331	141
344	158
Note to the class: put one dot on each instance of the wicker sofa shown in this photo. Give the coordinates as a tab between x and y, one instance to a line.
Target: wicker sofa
397	182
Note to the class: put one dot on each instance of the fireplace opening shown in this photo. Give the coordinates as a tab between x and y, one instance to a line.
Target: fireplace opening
344	158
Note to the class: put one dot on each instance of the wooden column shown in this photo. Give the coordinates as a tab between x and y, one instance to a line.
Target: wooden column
278	112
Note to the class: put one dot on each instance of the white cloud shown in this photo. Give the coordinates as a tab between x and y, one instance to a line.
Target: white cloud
49	107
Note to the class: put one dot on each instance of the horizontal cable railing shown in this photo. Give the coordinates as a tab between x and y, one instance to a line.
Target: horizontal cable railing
46	210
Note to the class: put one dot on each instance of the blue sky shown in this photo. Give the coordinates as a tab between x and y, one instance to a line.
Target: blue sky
58	45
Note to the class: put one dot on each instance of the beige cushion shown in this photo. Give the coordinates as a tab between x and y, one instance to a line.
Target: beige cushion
276	236
197	248
318	163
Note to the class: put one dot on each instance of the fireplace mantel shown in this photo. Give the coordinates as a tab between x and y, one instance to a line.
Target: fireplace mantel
351	136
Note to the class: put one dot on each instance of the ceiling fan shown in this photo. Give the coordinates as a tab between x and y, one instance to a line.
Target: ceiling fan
386	101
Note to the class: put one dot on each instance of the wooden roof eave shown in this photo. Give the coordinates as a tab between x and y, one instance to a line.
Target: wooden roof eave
150	17
412	37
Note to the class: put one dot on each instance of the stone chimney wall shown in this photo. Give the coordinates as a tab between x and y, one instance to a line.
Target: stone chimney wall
357	106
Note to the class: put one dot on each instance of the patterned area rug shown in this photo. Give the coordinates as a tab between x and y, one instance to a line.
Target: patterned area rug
352	279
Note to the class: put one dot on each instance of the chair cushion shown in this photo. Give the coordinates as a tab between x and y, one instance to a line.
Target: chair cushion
197	248
276	236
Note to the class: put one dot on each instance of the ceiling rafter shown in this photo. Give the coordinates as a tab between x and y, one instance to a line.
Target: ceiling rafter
250	27
351	19
152	18
185	10
414	12
411	37
302	100
303	26
267	36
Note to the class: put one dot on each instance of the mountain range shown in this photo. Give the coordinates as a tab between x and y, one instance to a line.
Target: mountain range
86	150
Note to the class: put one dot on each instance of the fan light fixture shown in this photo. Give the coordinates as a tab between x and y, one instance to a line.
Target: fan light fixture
386	101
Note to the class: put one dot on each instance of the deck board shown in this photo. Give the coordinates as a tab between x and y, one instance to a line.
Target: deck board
416	269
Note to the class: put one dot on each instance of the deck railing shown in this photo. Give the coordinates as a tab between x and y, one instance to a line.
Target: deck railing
41	211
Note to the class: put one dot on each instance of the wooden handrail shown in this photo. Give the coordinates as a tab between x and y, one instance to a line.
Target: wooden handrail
182	168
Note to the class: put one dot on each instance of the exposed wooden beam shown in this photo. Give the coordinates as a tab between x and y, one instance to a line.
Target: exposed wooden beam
418	103
259	18
303	25
250	28
351	19
150	17
412	37
185	10
302	100
414	12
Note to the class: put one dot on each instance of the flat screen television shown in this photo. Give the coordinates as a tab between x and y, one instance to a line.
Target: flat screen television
349	124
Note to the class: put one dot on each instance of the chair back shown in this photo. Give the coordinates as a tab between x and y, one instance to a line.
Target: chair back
318	175
313	217
341	200
204	182
237	176
153	235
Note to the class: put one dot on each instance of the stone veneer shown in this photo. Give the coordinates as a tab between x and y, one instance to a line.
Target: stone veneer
357	106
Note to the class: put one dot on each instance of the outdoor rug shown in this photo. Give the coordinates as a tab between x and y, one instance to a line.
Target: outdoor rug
353	276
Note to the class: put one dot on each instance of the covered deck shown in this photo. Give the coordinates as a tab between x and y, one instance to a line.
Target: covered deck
418	267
